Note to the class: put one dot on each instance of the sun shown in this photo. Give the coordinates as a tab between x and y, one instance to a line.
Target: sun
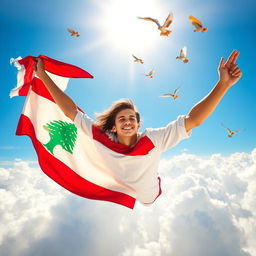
123	31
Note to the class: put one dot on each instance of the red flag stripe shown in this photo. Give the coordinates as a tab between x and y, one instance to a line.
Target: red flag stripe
63	69
28	65
53	66
142	147
56	67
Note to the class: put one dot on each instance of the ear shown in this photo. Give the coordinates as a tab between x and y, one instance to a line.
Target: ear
113	128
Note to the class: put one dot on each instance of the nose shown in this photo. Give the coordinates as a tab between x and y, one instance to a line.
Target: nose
127	121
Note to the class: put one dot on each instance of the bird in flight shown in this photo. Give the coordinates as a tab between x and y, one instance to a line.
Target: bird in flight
137	59
73	32
163	28
183	54
150	74
231	133
174	95
197	24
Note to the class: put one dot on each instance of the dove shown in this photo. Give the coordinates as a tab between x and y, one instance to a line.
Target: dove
73	32
174	95
197	24
137	59
150	74
231	133
163	28
183	54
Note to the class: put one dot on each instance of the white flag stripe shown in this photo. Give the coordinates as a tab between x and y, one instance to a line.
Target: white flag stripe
20	80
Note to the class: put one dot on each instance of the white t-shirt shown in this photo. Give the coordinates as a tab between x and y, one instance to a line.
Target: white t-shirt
136	167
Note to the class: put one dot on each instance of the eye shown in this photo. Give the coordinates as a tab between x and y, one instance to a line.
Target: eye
121	120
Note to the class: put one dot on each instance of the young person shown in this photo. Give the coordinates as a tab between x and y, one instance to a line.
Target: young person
131	156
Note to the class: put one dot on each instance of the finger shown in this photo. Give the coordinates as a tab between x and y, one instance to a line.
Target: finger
236	56
222	61
234	69
236	73
231	57
239	74
37	62
35	65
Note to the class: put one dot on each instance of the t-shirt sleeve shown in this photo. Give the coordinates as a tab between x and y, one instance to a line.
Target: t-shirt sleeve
84	123
166	137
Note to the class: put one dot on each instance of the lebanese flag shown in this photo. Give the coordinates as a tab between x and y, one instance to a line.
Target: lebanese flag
61	148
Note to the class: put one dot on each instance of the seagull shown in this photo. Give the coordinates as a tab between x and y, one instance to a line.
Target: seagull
231	133
163	28
150	74
197	24
137	59
174	95
73	32
183	54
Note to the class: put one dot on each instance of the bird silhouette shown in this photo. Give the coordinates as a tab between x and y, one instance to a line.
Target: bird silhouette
137	59
163	28
174	95
197	24
73	32
150	74
183	54
231	133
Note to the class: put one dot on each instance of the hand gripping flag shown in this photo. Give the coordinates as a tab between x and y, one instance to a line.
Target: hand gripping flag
61	148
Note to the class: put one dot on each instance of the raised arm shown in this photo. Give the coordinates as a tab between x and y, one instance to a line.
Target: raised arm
65	103
229	74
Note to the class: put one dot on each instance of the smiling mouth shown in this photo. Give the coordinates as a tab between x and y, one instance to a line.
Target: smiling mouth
127	129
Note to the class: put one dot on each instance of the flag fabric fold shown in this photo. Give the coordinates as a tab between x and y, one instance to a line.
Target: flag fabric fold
62	149
26	72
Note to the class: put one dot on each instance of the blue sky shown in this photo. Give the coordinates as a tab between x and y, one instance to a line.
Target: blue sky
110	33
208	181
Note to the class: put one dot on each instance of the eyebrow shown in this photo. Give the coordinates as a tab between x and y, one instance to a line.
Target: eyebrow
124	116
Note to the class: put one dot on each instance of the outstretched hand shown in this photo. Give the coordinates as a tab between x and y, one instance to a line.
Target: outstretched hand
39	66
229	72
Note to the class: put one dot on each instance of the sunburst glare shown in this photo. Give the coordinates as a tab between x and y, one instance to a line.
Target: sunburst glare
124	31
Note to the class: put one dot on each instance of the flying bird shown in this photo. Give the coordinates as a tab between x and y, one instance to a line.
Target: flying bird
197	24
231	133
137	59
73	32
183	54
163	28
150	74
174	95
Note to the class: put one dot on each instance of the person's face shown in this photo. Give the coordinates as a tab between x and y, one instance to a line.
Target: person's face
126	123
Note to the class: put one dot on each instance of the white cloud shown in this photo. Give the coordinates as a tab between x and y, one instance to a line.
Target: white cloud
207	208
26	198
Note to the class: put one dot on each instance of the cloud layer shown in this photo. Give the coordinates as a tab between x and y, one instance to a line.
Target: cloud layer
207	208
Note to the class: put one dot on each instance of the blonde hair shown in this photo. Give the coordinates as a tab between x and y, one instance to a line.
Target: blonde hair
106	120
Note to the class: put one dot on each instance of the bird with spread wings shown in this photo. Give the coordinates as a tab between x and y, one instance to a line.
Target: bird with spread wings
174	95
162	28
137	59
231	133
197	24
73	32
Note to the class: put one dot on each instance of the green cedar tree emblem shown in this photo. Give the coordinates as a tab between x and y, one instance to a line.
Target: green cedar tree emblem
61	133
